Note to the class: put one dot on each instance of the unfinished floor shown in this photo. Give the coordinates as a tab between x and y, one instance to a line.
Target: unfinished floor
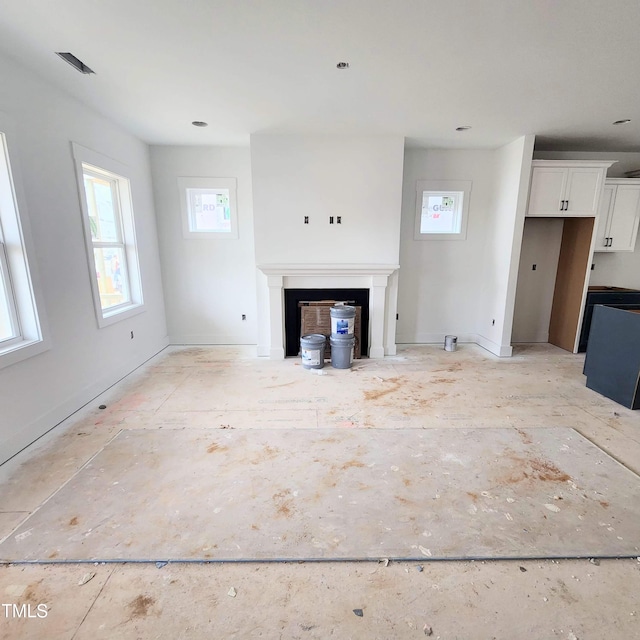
421	388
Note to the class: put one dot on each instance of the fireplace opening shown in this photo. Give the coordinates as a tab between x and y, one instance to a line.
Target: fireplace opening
293	315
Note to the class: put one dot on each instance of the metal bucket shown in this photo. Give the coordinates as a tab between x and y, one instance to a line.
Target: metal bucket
312	350
342	351
450	343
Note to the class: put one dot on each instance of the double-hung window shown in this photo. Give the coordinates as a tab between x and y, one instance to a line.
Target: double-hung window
21	334
110	236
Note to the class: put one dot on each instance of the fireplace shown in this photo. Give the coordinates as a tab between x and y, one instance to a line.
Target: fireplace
292	315
379	281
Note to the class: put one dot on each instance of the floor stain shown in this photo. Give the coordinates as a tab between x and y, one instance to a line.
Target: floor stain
534	468
284	503
375	395
140	606
406	501
351	464
74	521
215	446
286	384
526	439
31	594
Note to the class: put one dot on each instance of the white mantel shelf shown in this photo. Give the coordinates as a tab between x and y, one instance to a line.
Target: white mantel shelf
328	269
374	277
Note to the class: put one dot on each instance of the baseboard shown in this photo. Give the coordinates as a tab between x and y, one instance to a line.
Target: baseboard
217	339
48	421
503	351
433	338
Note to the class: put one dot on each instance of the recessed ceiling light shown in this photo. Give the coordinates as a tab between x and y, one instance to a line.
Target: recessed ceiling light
465	127
625	121
74	62
342	65
199	123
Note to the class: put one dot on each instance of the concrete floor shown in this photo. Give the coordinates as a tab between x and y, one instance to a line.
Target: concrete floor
422	387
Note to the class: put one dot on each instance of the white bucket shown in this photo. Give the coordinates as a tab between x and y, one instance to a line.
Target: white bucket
342	319
450	343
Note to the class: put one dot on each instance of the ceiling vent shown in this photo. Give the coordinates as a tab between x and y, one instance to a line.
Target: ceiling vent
74	62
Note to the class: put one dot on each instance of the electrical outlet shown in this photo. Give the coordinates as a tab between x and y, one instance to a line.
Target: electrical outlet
306	219
330	219
534	267
339	220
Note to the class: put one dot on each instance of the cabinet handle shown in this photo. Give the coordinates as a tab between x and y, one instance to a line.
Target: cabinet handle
610	242
566	205
561	205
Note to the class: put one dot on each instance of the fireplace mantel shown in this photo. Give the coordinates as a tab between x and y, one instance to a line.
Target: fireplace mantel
374	277
328	269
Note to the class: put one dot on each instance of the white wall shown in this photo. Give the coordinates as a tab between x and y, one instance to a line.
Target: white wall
440	281
210	282
617	269
541	242
501	259
82	360
358	178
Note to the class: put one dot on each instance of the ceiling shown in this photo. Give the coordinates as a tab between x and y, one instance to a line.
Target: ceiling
564	71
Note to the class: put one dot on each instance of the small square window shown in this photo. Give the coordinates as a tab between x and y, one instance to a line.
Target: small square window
441	209
208	207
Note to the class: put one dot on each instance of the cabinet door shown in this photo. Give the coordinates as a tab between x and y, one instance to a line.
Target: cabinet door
582	191
604	214
547	191
623	229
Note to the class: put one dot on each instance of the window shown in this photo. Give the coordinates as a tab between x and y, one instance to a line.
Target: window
21	334
9	328
208	207
441	209
110	236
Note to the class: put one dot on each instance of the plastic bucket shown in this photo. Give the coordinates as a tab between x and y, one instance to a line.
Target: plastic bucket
342	319
342	351
312	350
450	343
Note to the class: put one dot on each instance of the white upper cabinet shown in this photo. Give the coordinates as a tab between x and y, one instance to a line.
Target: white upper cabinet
619	215
562	188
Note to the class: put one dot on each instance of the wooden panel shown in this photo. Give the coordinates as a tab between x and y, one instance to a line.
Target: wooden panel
573	266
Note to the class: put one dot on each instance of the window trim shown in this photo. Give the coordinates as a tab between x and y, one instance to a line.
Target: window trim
95	162
22	279
186	183
439	186
6	289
